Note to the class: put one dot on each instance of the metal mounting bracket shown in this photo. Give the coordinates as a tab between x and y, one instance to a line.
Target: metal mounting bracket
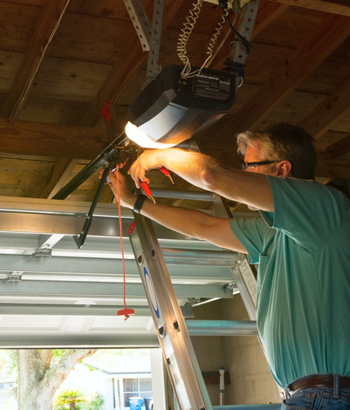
15	276
43	252
246	25
140	20
149	34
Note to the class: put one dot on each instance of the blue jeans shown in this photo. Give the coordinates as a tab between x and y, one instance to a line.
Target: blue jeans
318	399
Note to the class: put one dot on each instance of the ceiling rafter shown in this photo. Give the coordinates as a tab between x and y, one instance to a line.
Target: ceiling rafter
340	148
326	38
45	30
334	6
38	138
328	112
332	170
57	177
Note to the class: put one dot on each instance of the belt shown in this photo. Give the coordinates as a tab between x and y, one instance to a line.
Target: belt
329	381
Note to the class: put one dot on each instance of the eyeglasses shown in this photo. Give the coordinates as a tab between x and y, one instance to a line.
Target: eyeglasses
246	165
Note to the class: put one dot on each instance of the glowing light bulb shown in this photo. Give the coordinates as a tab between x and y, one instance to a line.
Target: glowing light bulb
143	139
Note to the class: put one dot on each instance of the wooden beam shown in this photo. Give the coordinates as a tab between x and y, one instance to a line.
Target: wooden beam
309	55
36	138
328	112
340	148
30	64
56	178
267	13
124	71
330	138
341	7
325	170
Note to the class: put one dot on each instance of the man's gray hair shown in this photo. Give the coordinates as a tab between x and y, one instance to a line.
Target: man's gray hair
283	142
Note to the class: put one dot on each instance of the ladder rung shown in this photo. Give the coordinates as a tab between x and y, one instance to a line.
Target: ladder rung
192	195
200	254
222	327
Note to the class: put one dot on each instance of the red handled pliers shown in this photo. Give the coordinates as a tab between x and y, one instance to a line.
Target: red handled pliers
146	188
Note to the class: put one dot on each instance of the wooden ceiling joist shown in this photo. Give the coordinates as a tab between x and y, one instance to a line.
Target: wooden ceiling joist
328	112
36	138
340	149
45	30
330	35
335	7
56	178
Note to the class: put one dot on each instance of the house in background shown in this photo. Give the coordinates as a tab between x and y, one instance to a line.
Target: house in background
7	401
133	376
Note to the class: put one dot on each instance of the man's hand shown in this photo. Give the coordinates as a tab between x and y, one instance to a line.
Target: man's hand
127	199
150	159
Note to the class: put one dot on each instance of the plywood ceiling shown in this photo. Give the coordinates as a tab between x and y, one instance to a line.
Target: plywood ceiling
62	60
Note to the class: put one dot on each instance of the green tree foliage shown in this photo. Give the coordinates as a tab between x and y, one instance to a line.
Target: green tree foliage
68	399
8	364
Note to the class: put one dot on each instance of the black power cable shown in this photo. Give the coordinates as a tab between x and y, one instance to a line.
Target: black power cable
240	38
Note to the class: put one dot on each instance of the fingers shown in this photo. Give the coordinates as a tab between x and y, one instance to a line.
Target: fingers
101	173
138	180
111	176
137	173
139	168
120	191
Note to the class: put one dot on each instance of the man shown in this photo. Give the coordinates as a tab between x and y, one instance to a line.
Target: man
301	241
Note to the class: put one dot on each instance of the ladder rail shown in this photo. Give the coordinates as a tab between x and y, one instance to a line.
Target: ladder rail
172	333
242	273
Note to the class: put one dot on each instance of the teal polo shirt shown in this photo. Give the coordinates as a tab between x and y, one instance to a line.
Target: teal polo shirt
302	252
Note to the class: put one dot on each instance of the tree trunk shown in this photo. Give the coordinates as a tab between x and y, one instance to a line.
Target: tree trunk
39	379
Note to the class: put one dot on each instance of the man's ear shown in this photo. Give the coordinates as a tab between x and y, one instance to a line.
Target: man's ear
284	169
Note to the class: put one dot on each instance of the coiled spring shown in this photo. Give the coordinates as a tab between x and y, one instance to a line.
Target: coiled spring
186	31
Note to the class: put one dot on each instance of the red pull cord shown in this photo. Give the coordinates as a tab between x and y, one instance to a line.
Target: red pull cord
126	312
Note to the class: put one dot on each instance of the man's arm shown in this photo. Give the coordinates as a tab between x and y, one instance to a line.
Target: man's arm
189	222
202	171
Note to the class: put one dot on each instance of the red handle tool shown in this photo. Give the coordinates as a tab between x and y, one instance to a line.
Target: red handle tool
147	191
146	188
166	173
